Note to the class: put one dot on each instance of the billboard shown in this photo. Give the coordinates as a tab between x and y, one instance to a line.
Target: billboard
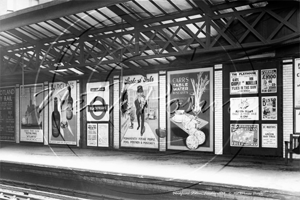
190	114
7	113
139	110
31	113
62	113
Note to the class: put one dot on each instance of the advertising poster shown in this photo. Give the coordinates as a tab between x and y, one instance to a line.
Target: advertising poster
269	108
103	135
244	135
245	108
269	135
297	120
139	110
297	83
189	109
7	114
97	101
91	134
268	80
244	82
62	113
31	113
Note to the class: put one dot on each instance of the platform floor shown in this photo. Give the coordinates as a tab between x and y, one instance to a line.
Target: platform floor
269	173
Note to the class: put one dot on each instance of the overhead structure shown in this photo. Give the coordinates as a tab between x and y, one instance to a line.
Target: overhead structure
75	38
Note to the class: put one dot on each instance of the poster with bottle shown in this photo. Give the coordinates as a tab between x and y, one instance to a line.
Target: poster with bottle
139	111
244	135
103	140
91	134
269	108
244	108
31	113
269	135
62	113
7	113
268	80
297	83
244	82
189	110
97	101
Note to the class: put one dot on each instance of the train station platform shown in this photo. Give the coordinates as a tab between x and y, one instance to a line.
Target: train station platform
180	174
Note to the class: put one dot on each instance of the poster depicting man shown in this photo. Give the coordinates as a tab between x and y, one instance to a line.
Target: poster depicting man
62	113
31	113
139	109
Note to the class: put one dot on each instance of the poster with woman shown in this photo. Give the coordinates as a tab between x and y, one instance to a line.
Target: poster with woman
31	113
139	110
62	113
190	111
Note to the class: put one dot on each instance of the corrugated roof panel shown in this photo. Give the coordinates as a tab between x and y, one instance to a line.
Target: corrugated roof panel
134	7
79	22
182	4
103	19
34	32
123	7
71	23
3	43
240	8
7	41
26	33
12	37
89	19
58	27
42	30
149	6
112	16
166	6
48	27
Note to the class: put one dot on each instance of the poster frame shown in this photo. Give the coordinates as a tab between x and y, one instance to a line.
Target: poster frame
14	112
262	110
296	90
211	108
296	125
261	81
258	135
262	130
20	118
256	99
239	93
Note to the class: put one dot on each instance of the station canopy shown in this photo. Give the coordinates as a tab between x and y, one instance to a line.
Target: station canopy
75	38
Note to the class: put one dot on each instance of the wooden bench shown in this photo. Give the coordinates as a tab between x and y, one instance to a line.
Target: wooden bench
292	146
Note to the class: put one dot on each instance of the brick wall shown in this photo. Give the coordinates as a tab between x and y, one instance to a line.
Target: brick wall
218	112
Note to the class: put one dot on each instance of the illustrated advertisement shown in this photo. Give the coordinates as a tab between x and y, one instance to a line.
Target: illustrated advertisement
297	83
31	113
92	134
244	82
62	113
244	108
269	81
269	108
269	135
244	135
189	109
7	113
103	135
139	111
97	101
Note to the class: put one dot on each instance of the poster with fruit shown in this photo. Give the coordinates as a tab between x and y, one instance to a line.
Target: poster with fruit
62	113
31	113
190	115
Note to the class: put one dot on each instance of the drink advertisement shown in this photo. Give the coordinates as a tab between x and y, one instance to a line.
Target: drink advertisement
189	109
244	108
297	83
91	134
244	82
269	135
269	81
139	111
97	101
244	135
62	113
7	114
31	113
103	135
269	108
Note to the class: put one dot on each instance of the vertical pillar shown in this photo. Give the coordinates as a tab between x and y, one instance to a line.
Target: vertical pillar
17	114
116	106
46	113
162	108
287	73
218	91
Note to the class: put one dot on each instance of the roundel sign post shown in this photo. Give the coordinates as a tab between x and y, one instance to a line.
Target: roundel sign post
98	101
